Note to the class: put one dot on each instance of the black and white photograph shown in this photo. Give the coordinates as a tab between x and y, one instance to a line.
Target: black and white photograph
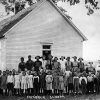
49	49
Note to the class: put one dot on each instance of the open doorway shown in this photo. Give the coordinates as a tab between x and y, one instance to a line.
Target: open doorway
46	51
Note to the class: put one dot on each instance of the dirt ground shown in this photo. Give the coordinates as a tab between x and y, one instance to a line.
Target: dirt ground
79	97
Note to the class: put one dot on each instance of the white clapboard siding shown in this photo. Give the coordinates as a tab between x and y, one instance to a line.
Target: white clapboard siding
44	24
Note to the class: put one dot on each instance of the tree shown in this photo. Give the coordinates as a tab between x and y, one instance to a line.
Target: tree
18	5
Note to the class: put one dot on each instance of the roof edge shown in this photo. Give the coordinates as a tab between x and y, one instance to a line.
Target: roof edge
30	9
69	21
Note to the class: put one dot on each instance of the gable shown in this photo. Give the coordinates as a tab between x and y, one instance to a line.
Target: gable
9	27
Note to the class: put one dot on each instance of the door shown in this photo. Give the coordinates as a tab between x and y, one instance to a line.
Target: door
46	53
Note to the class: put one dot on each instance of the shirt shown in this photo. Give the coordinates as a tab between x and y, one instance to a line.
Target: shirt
10	79
44	64
29	64
75	64
49	78
90	78
37	65
68	65
22	66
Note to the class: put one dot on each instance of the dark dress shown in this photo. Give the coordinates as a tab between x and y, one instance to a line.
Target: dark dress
42	81
29	64
22	66
49	64
68	65
81	66
3	82
36	85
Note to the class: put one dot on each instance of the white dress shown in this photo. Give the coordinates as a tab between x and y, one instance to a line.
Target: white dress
24	82
17	81
44	64
49	80
30	81
67	74
62	62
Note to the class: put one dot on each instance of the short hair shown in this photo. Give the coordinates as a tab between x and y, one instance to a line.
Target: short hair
29	56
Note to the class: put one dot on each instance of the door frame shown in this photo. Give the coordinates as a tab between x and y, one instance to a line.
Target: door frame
46	49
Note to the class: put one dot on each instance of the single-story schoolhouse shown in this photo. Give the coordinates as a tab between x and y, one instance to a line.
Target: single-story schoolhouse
41	29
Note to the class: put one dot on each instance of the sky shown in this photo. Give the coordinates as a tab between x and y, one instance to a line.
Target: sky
89	26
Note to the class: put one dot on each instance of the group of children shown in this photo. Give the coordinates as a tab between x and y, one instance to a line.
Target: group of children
65	77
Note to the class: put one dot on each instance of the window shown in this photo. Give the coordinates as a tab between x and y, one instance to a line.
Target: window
46	46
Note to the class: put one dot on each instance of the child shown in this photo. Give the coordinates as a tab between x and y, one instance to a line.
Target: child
70	83
81	64
10	83
23	83
76	83
62	62
90	84
30	83
17	83
74	64
49	79
61	83
83	84
36	83
67	74
68	64
55	83
96	83
44	62
42	82
0	82
4	82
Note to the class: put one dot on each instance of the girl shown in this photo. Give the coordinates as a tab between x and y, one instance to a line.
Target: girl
42	82
36	83
66	75
30	83
90	85
4	82
62	62
96	83
10	83
56	65
55	83
49	79
17	83
74	64
83	84
68	64
44	63
81	65
76	83
61	83
0	82
23	83
70	83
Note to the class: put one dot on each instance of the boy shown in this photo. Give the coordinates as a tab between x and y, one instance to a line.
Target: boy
10	83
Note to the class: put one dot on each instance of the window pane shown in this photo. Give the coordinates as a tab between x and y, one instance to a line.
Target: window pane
46	46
